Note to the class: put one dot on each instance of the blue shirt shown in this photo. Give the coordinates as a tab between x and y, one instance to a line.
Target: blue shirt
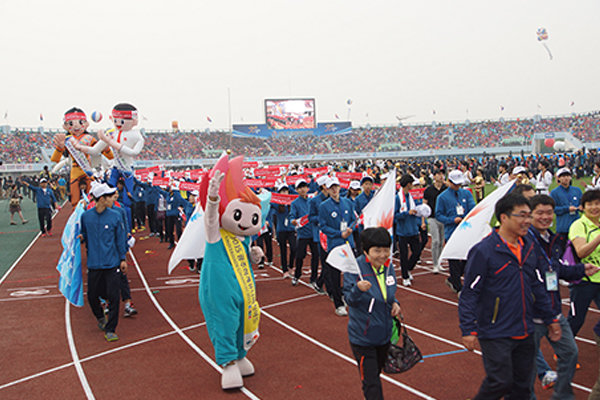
565	198
105	239
43	197
281	219
313	214
332	215
300	208
362	200
406	224
447	205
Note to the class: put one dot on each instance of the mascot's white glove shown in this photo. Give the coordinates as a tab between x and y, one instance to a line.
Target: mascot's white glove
109	140
256	254
214	185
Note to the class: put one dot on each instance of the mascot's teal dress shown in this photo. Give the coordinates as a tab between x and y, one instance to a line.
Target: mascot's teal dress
222	302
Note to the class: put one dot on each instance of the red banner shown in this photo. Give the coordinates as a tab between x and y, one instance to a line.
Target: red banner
250	164
160	181
189	186
285	199
316	171
291	180
267	172
351	176
154	169
417	194
261	183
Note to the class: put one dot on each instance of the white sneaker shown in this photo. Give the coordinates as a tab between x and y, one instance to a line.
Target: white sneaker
245	366
410	276
436	269
341	311
231	377
549	379
406	282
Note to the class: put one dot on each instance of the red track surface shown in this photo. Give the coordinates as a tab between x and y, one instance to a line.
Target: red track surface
303	352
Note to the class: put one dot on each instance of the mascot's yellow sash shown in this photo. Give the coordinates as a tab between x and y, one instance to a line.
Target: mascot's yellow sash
241	266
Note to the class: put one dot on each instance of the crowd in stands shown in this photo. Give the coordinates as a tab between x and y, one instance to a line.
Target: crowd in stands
20	146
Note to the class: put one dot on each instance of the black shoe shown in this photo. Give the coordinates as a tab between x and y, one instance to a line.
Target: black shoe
170	246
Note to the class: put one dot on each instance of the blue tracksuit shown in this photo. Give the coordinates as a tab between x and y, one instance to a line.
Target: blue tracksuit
44	198
313	215
564	198
446	208
406	224
362	200
105	238
300	208
331	215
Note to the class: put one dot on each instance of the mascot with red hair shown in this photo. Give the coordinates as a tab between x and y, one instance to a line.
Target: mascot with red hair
227	291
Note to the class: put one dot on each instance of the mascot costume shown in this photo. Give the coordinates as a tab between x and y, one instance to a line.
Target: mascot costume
76	124
227	291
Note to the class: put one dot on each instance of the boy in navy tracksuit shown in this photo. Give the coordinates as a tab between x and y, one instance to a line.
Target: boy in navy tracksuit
313	218
503	291
286	234
45	201
371	306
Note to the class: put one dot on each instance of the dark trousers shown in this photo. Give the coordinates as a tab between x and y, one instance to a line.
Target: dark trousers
301	253
266	239
408	264
140	213
173	221
424	237
286	238
151	217
457	269
124	286
45	218
582	296
105	283
333	282
370	360
509	364
322	279
161	227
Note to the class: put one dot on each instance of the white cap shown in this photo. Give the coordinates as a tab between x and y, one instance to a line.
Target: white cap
355	185
322	180
563	171
332	181
43	180
282	186
519	170
456	176
101	190
299	182
195	193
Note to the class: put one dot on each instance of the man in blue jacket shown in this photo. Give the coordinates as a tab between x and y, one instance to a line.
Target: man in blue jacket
450	208
313	218
366	184
103	232
336	221
501	296
45	201
372	305
568	205
551	270
299	216
407	228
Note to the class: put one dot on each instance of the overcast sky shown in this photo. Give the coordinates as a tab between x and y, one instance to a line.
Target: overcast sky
176	59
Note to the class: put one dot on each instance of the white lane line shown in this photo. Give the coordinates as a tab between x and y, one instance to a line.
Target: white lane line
82	378
178	329
26	250
139	342
344	357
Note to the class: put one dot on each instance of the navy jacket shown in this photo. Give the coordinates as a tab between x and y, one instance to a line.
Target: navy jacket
369	325
331	215
362	200
445	208
564	198
313	214
549	255
105	238
406	224
44	200
300	208
500	296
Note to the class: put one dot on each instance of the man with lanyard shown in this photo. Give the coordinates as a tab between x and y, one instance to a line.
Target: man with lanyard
299	216
436	227
451	207
103	232
567	199
497	304
45	200
336	221
551	270
366	184
313	218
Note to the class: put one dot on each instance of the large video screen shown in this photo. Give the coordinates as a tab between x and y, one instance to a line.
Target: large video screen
284	114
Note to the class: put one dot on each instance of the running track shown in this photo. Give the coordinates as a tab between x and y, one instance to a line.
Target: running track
51	350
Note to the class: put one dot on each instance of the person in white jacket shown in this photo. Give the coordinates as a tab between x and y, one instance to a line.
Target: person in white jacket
544	178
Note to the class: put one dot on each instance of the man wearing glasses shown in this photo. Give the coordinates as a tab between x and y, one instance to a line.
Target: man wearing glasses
496	306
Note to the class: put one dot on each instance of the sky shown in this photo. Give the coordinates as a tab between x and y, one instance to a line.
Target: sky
188	60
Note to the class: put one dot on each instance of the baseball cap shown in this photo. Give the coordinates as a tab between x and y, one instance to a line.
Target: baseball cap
43	180
519	170
456	176
300	182
282	186
195	193
332	181
322	180
563	171
366	178
355	185
101	190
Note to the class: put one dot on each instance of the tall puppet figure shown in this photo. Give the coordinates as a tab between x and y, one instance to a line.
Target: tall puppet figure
76	124
126	142
227	291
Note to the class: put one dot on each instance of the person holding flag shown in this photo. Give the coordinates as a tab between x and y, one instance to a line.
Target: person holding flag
336	221
299	217
313	218
451	207
370	291
407	228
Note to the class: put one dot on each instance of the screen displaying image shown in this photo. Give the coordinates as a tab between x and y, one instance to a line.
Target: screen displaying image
290	114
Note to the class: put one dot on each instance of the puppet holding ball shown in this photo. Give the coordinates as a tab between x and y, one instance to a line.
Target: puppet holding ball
227	291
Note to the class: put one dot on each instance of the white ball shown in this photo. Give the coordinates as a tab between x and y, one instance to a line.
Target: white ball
559	146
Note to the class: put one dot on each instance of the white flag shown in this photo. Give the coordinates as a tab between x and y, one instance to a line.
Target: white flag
475	226
193	240
342	258
380	210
